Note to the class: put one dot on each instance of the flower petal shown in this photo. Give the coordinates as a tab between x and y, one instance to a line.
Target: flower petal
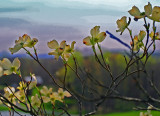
16	48
135	12
53	44
34	77
53	52
22	39
87	41
44	90
135	44
67	48
45	99
9	89
35	101
72	44
151	34
63	44
26	38
101	36
60	90
66	56
6	64
155	14
16	63
1	71
31	43
67	94
122	24
32	84
94	31
8	72
141	35
148	9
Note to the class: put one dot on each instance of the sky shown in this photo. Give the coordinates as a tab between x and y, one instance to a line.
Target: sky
63	20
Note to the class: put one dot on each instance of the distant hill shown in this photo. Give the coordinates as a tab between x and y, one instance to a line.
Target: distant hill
85	52
9	55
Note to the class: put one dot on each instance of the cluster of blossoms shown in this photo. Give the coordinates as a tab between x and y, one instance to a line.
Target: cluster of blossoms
64	50
48	95
22	42
153	14
18	95
14	96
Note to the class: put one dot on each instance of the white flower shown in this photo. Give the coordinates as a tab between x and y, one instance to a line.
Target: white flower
57	49
35	101
9	67
95	37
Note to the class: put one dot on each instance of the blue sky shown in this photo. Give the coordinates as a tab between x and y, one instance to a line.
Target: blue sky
61	19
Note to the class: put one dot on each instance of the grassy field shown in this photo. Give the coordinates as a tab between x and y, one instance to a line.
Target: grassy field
132	113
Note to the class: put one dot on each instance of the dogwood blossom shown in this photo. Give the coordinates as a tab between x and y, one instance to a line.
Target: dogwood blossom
35	101
9	67
63	94
122	24
137	14
155	16
9	94
157	35
33	81
95	37
54	96
57	49
138	41
22	85
24	41
21	96
68	51
45	91
45	99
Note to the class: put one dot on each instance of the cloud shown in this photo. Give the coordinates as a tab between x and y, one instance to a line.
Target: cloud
68	12
81	4
103	19
91	4
12	22
11	9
